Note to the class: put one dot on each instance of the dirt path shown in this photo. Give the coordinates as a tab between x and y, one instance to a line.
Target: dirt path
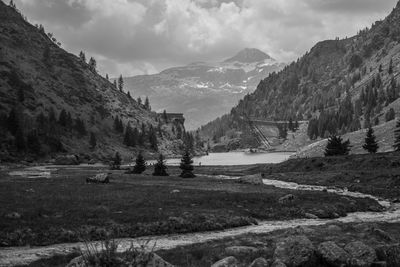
25	255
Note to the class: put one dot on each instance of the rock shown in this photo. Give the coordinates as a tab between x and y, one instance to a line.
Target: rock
226	262
332	254
295	251
259	262
256	179
390	254
278	263
101	178
360	254
384	235
334	228
175	191
77	262
240	251
157	261
286	199
310	216
13	215
67	160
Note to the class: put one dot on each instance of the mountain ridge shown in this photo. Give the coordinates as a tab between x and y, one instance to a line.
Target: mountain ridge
60	102
202	90
340	86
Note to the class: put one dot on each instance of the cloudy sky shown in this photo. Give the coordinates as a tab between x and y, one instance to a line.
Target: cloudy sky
146	36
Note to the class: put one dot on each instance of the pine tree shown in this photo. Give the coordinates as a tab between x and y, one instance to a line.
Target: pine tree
160	169
120	83
62	118
33	143
140	164
12	122
92	64
147	104
20	142
397	136
153	139
370	143
108	78
115	84
82	56
187	166
116	163
336	146
129	95
92	141
391	67
165	116
139	100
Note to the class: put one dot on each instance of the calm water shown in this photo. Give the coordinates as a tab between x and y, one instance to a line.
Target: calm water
236	158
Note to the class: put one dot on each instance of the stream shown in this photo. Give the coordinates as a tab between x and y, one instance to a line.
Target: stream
26	255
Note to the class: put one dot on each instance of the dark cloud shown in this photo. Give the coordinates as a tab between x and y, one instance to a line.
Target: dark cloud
144	36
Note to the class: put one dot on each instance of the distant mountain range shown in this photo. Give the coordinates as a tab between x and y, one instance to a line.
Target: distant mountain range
340	86
204	91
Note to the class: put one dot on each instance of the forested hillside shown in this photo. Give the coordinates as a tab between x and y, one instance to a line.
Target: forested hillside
54	102
340	86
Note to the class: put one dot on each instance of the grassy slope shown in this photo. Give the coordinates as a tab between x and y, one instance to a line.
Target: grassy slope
65	209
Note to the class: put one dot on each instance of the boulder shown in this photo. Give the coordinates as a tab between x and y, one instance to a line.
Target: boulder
256	179
259	262
360	254
278	263
288	199
390	254
157	261
295	251
382	234
310	216
67	160
226	262
77	262
332	254
240	251
101	178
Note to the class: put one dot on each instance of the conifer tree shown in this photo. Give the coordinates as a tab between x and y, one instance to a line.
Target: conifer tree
147	104
115	84
120	83
62	118
92	141
160	169
12	122
336	146
20	142
116	162
370	143
140	164
129	95
33	142
397	136
92	64
139	100
187	166
108	78
82	56
391	66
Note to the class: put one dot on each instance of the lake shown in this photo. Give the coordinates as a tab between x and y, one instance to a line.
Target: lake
236	158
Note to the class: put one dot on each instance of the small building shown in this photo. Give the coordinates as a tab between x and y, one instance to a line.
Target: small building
173	117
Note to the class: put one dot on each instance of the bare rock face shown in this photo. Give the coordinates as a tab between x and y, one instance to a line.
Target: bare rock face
259	262
295	251
226	262
256	179
239	251
360	254
332	254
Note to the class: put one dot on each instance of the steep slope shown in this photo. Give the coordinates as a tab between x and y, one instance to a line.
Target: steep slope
52	102
204	91
339	86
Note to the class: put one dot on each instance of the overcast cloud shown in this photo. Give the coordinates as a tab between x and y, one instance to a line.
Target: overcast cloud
145	36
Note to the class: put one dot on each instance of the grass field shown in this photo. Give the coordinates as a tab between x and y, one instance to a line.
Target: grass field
66	209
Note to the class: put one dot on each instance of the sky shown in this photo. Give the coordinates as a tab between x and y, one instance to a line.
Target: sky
132	37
